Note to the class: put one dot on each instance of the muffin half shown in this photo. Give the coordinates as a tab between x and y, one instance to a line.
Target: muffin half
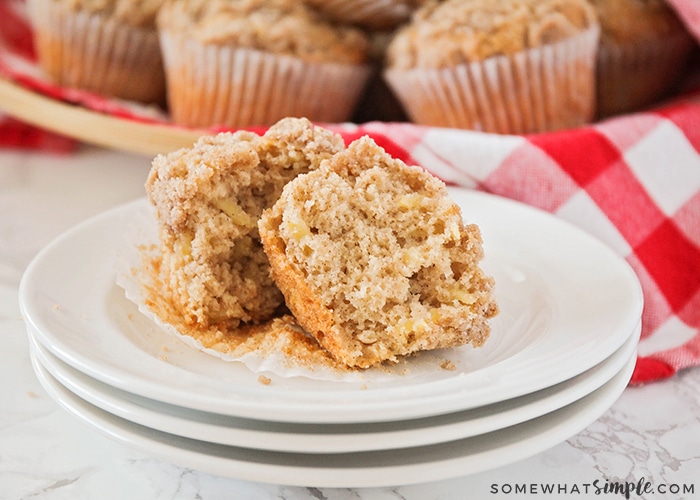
374	260
207	201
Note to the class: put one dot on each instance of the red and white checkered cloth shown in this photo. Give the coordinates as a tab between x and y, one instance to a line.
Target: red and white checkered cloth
15	44
632	181
19	135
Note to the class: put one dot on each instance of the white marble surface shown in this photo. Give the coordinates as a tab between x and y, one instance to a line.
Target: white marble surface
650	435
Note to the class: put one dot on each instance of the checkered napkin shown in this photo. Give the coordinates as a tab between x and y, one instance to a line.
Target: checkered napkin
18	135
633	182
15	52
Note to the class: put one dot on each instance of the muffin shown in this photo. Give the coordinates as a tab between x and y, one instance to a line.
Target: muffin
207	201
643	51
238	63
369	14
374	260
501	66
109	47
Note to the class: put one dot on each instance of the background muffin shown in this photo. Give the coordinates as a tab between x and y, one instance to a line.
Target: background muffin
504	66
108	47
643	50
252	62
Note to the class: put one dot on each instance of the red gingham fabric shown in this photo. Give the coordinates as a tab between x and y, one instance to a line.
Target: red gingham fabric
631	181
18	135
15	38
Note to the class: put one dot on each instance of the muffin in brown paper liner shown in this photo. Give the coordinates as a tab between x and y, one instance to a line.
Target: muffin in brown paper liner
643	52
253	62
508	67
96	50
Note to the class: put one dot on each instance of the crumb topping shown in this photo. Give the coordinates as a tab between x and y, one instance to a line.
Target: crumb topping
460	31
140	13
284	27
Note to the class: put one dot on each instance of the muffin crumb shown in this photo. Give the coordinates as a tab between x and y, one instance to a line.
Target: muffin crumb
448	365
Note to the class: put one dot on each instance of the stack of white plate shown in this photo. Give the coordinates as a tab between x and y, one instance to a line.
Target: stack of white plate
561	352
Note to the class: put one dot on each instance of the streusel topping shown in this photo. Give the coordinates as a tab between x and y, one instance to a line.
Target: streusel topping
134	12
461	31
286	27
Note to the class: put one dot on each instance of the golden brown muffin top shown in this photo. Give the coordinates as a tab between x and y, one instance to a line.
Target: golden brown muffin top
285	27
459	31
134	12
630	20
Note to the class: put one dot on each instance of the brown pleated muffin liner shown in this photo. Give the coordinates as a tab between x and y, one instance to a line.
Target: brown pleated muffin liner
214	85
635	75
541	89
95	53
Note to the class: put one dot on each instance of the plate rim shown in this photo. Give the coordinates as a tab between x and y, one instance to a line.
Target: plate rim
83	363
287	439
544	432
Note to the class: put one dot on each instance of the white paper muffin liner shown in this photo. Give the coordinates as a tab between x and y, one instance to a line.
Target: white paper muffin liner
536	90
214	85
130	276
632	76
92	52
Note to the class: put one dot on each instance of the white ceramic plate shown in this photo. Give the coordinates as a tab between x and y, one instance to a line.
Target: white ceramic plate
351	470
332	438
567	303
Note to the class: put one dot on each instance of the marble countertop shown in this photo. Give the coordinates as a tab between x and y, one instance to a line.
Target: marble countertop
650	438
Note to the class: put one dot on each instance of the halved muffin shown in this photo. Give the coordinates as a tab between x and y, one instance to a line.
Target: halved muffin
374	259
207	201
